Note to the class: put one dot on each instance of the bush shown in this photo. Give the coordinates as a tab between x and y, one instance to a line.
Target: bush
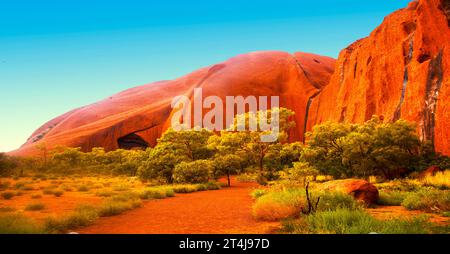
8	195
7	209
83	216
18	224
4	185
47	191
83	188
336	200
34	207
428	199
185	188
278	205
154	193
404	185
258	193
209	186
391	198
346	221
104	193
119	204
58	193
247	178
36	196
440	180
331	148
193	172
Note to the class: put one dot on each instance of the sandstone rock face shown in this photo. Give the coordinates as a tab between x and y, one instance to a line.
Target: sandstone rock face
402	70
359	189
138	116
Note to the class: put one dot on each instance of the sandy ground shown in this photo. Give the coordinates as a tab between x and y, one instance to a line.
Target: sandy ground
395	212
224	211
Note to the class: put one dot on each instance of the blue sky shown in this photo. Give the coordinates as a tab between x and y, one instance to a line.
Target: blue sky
56	55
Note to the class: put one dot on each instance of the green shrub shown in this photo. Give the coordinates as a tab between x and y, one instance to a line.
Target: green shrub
83	216
185	188
104	193
47	191
66	188
36	196
34	207
153	194
405	185
192	172
18	224
118	204
336	200
83	188
121	187
346	221
247	178
278	205
170	192
391	198
428	199
209	186
258	193
7	209
58	193
26	188
8	195
4	185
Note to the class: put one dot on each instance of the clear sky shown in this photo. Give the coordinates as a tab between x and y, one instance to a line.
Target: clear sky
59	55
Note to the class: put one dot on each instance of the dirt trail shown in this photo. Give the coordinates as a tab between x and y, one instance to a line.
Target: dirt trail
393	212
224	211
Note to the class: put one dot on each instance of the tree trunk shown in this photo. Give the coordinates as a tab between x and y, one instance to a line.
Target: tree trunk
228	178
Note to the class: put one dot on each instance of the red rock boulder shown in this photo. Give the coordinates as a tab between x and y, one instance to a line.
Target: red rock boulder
359	189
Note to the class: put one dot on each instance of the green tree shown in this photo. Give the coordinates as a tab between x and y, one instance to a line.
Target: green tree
302	171
7	164
198	171
226	165
173	148
371	148
240	139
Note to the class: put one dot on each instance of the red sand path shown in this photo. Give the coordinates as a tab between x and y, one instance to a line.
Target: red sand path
207	212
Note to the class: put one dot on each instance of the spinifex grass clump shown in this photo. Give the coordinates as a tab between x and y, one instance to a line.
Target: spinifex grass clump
185	188
18	224
118	204
440	180
8	195
428	199
35	206
348	221
276	205
391	198
84	215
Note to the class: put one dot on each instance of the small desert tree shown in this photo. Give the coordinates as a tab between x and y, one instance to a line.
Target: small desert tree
240	139
226	165
371	148
173	148
198	171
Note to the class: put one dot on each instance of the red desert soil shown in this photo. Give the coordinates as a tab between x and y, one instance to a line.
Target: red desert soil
390	212
224	211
